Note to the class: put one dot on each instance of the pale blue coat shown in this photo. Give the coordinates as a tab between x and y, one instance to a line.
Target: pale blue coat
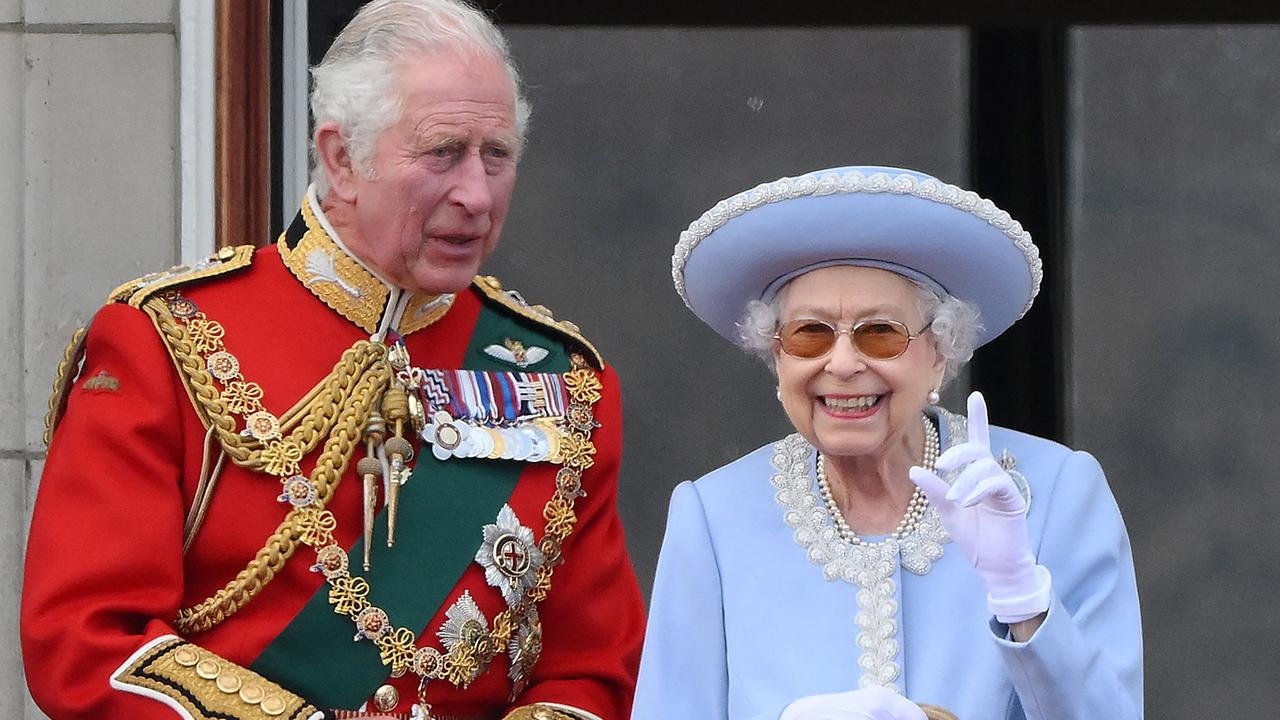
741	623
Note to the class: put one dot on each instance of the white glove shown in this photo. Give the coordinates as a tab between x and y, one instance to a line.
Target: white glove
868	703
987	518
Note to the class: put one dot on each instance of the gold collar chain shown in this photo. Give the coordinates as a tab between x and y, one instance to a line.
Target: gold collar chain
469	658
334	413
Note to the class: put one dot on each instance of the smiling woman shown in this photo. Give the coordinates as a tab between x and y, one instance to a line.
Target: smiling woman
939	580
848	402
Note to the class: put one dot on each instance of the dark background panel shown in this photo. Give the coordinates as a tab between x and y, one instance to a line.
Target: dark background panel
1016	147
815	13
1175	341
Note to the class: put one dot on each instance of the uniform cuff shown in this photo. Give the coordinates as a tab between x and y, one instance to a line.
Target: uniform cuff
199	685
550	711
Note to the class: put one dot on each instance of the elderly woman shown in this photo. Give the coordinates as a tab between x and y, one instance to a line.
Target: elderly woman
890	557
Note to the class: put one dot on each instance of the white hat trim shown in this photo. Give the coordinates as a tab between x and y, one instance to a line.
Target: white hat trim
854	182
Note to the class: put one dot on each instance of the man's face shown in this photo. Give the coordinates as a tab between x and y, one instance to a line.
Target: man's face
432	209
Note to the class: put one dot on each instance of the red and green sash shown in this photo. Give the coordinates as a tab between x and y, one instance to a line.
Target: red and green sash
442	510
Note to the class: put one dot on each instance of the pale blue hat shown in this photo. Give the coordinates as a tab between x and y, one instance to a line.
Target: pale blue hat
951	240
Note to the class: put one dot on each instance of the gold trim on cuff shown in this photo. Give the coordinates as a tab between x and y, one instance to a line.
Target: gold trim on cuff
541	711
209	687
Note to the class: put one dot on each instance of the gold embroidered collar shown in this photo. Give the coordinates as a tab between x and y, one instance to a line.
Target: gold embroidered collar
325	267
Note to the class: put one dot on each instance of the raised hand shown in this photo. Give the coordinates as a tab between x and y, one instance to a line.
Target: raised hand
985	514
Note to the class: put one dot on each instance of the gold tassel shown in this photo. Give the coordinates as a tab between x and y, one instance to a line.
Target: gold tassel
370	470
395	405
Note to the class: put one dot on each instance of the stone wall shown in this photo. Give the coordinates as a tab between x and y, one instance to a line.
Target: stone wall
88	197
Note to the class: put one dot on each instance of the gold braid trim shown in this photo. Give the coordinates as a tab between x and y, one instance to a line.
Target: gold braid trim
308	421
301	523
226	260
539	711
63	379
207	686
339	406
345	284
491	287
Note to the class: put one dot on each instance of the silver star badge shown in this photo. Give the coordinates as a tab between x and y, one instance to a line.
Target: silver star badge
464	623
509	556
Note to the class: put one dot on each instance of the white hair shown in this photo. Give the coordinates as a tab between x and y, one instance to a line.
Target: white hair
355	85
954	325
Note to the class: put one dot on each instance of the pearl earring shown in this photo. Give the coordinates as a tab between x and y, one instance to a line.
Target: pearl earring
779	394
933	397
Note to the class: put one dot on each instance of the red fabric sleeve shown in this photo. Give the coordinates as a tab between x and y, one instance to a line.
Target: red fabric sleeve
593	617
104	559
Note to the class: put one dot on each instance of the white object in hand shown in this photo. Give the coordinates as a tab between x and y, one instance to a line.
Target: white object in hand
987	518
868	703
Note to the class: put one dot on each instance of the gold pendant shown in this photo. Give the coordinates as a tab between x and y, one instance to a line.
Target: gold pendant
370	470
370	508
393	504
400	453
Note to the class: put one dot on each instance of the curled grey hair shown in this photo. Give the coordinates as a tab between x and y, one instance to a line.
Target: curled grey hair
955	327
355	84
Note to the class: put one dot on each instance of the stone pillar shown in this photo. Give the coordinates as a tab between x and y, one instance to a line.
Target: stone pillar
89	138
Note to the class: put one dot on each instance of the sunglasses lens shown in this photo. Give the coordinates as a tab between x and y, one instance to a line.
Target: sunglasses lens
806	338
881	339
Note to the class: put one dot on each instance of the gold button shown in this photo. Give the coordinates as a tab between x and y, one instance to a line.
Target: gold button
208	669
228	682
543	714
252	694
186	657
273	705
226	253
386	698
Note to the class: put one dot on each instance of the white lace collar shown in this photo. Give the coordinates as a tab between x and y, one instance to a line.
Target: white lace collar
870	567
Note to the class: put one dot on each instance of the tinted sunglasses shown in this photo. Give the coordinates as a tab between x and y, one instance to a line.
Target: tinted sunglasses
876	339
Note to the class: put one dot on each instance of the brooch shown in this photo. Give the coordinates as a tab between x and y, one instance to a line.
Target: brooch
509	556
515	353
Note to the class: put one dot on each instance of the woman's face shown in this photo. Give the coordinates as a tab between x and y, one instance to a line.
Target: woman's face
844	403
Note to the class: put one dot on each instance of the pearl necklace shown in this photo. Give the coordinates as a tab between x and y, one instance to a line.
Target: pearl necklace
915	508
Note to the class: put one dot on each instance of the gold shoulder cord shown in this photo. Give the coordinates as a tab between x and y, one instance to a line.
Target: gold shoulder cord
309	420
336	413
227	260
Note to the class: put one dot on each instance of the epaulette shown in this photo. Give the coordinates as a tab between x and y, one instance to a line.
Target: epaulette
226	260
136	292
512	300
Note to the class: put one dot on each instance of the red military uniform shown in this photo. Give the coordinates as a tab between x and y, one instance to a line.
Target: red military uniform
241	409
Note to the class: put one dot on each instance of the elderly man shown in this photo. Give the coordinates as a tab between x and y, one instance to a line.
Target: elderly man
343	476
